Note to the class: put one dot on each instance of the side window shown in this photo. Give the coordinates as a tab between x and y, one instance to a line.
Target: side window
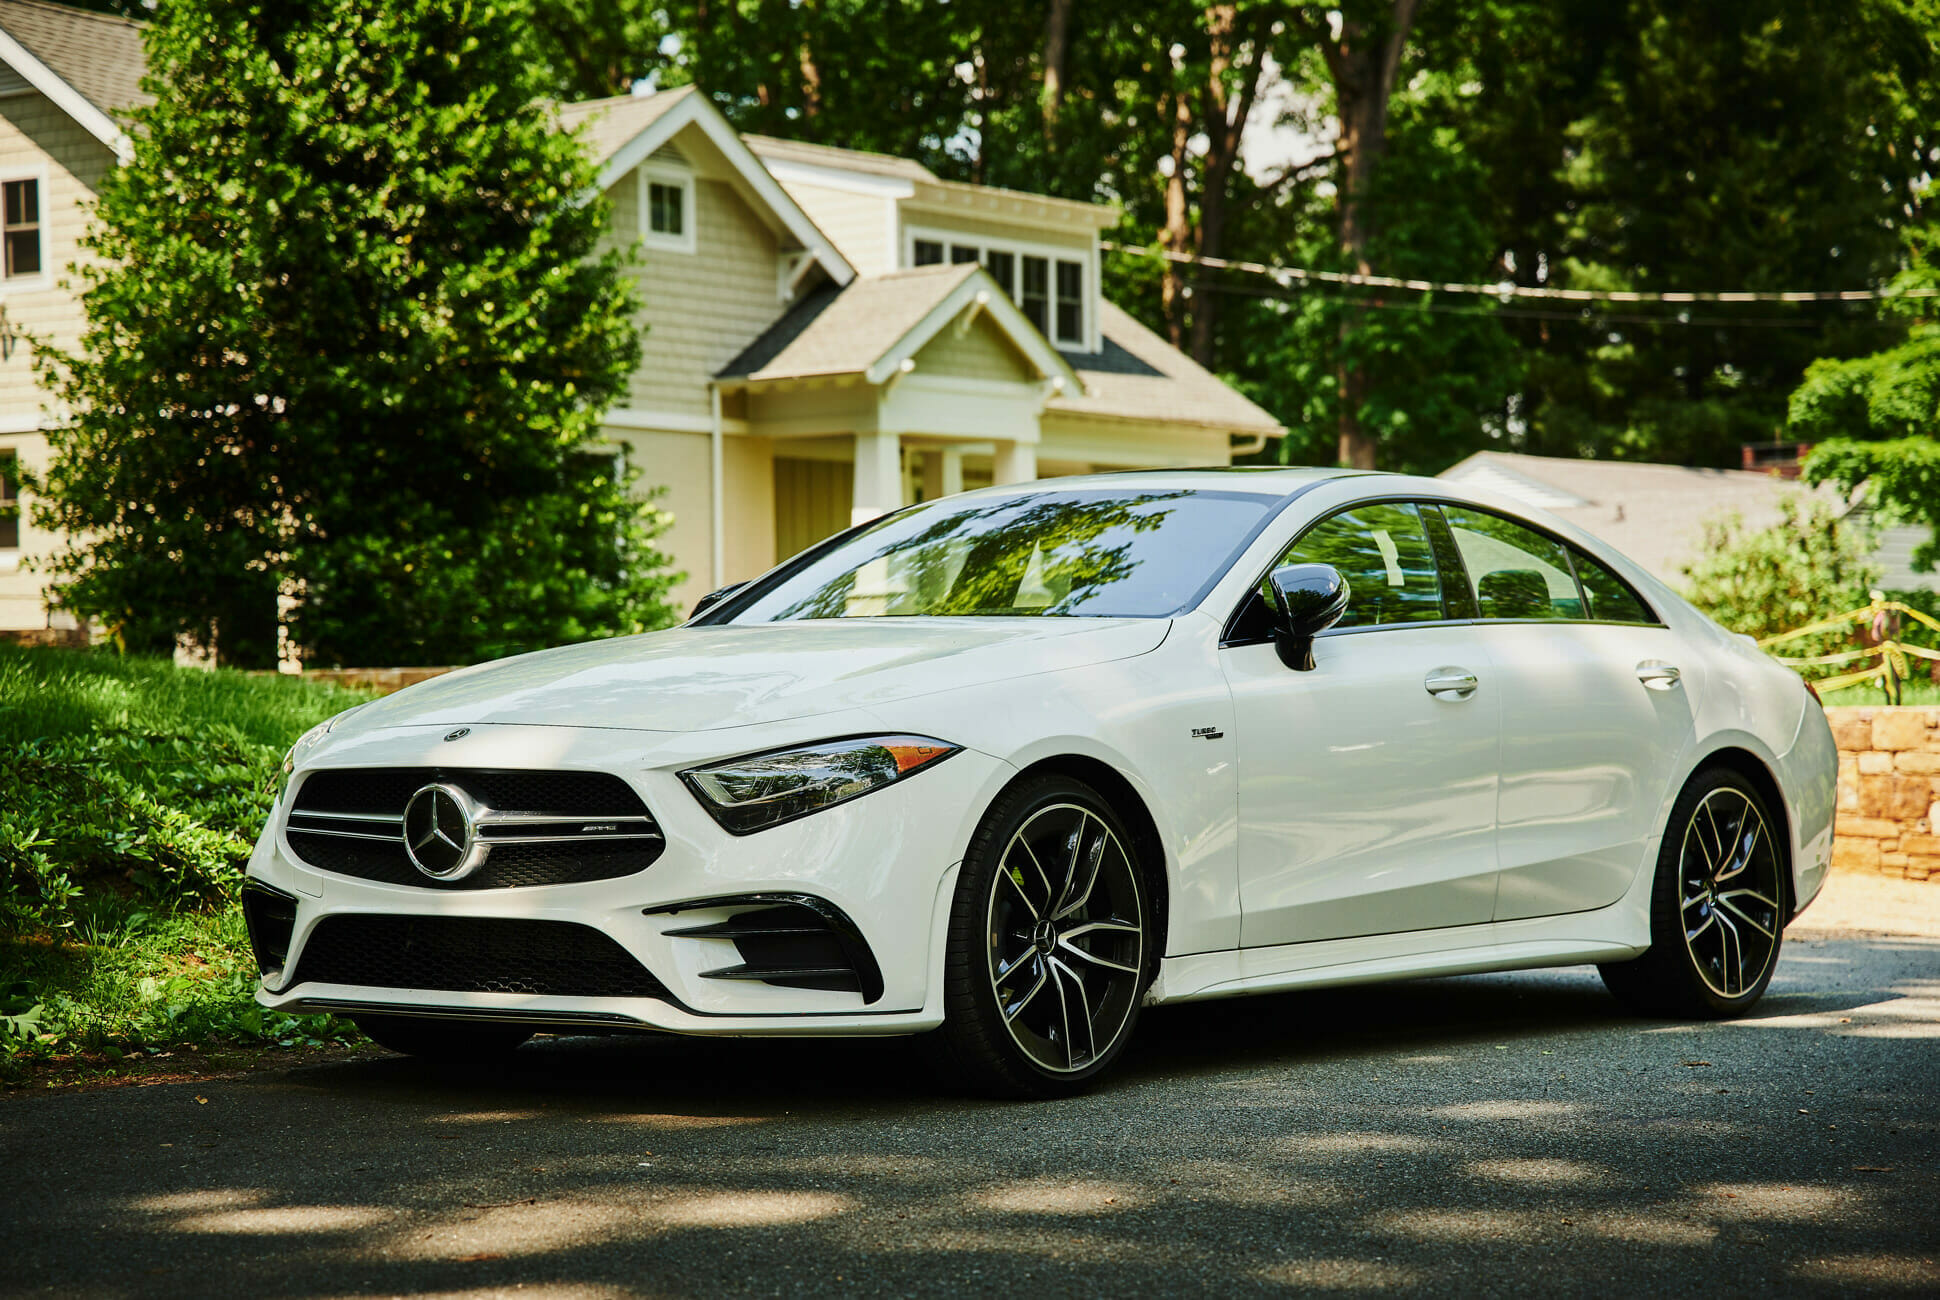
9	501
1611	599
1384	553
1517	572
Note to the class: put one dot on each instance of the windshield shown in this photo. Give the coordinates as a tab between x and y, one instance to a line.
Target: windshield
1092	553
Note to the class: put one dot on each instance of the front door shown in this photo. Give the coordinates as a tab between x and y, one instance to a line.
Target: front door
1367	787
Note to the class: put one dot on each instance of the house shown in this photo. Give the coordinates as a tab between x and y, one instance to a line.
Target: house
1655	513
829	334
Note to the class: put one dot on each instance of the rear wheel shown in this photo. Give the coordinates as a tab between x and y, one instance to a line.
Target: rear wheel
1717	907
1050	945
442	1040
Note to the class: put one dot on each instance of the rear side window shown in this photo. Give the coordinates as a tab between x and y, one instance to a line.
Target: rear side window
1517	572
1611	599
1383	552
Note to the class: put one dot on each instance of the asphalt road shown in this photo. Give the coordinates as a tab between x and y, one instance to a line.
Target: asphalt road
1488	1134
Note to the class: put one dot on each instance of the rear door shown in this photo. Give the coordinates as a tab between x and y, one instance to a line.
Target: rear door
1595	717
1367	786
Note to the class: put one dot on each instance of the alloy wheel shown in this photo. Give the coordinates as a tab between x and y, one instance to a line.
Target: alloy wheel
1729	892
1066	934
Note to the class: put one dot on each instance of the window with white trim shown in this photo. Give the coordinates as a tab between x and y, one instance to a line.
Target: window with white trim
20	236
667	208
9	500
1049	289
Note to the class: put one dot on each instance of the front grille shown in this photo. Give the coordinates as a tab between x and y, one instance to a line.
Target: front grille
465	954
540	828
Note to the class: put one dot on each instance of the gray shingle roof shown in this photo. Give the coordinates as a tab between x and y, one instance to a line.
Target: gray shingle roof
1139	376
97	54
609	123
824	155
840	332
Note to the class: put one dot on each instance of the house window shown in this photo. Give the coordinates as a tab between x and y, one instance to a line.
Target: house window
1036	298
1071	302
667	209
22	227
959	254
1003	269
928	252
9	500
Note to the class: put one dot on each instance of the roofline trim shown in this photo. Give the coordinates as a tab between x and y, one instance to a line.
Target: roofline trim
980	290
69	100
695	110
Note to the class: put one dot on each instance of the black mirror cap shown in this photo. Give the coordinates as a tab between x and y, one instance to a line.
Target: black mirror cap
713	598
1311	598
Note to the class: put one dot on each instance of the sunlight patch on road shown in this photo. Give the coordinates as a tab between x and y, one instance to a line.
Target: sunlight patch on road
1782	1200
1903	1017
1463	1225
523	1228
484	1116
675	1123
212	1198
1506	1110
1899	1270
291	1220
1541	1173
1351	1144
1042	1196
1340	1274
745	1209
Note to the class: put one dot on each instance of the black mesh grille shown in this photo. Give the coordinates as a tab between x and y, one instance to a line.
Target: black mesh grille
464	954
384	792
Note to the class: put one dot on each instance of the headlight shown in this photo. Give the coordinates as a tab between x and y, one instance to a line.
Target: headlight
762	790
312	736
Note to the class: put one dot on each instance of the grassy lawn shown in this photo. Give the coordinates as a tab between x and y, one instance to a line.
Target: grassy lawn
1918	691
131	792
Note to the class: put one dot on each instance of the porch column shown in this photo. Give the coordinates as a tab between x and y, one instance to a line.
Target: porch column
878	476
942	473
1015	462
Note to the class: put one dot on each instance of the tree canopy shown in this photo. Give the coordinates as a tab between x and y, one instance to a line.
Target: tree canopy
349	334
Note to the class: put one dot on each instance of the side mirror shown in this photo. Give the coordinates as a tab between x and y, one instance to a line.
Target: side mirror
1311	599
713	598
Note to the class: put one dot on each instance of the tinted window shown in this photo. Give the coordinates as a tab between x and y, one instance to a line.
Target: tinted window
1384	554
1611	599
1517	573
1096	553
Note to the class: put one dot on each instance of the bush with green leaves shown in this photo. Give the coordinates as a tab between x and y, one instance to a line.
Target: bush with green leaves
1809	565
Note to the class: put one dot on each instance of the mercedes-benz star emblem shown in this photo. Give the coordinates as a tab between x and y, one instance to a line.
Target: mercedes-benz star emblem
459	734
440	826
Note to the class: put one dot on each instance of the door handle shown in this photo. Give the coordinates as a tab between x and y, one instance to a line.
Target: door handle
1459	682
1658	675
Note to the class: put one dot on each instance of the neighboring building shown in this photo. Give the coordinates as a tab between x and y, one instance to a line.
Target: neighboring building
829	334
1655	513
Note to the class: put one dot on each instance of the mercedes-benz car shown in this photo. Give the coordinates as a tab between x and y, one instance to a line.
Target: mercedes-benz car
1003	768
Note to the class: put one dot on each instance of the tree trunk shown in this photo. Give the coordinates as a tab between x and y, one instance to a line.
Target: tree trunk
1363	63
1057	46
1176	235
1224	122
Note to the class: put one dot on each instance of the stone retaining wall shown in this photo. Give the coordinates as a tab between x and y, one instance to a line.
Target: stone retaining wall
381	680
1889	791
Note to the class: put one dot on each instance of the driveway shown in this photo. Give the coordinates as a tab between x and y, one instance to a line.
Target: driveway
1490	1133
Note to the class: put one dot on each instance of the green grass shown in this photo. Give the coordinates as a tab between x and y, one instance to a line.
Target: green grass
1918	691
131	792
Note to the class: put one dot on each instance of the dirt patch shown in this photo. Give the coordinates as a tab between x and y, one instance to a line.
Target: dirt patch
1855	902
88	1071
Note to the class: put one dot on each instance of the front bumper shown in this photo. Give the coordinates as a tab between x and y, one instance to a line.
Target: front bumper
887	861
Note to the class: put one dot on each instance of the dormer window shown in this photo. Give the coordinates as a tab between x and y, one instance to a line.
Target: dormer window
20	202
667	208
1048	288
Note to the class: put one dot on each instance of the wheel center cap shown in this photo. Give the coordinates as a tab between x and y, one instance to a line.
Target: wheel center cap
1044	936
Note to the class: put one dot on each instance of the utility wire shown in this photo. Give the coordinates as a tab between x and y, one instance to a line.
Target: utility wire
1295	275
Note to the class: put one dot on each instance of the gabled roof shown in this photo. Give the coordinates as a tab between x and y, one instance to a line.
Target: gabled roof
1139	376
625	131
848	160
871	327
89	64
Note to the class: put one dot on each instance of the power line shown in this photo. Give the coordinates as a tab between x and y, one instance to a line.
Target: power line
1289	276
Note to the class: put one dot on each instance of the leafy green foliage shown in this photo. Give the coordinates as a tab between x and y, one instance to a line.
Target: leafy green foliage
1807	566
131	792
348	336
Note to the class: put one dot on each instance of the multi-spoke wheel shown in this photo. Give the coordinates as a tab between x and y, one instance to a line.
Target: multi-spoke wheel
1050	943
1717	908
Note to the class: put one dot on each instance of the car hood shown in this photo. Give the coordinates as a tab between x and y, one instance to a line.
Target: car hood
700	678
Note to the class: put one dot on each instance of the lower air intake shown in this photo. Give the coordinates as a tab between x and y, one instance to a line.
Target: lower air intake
465	954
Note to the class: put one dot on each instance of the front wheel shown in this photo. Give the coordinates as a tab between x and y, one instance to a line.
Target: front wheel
1717	913
1051	944
442	1040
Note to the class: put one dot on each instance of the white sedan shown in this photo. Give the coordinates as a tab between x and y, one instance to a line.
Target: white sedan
1003	768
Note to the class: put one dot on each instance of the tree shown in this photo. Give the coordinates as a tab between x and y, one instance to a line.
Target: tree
1876	418
349	336
1808	565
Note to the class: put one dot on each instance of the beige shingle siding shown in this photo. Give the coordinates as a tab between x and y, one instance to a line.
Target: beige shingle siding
38	140
980	353
700	309
861	226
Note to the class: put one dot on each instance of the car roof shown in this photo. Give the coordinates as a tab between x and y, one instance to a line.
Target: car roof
1270	481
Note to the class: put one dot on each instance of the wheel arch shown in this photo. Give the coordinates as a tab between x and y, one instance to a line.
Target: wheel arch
1745	763
1125	800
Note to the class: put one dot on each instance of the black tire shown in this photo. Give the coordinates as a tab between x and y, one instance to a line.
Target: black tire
443	1040
1020	938
1717	906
